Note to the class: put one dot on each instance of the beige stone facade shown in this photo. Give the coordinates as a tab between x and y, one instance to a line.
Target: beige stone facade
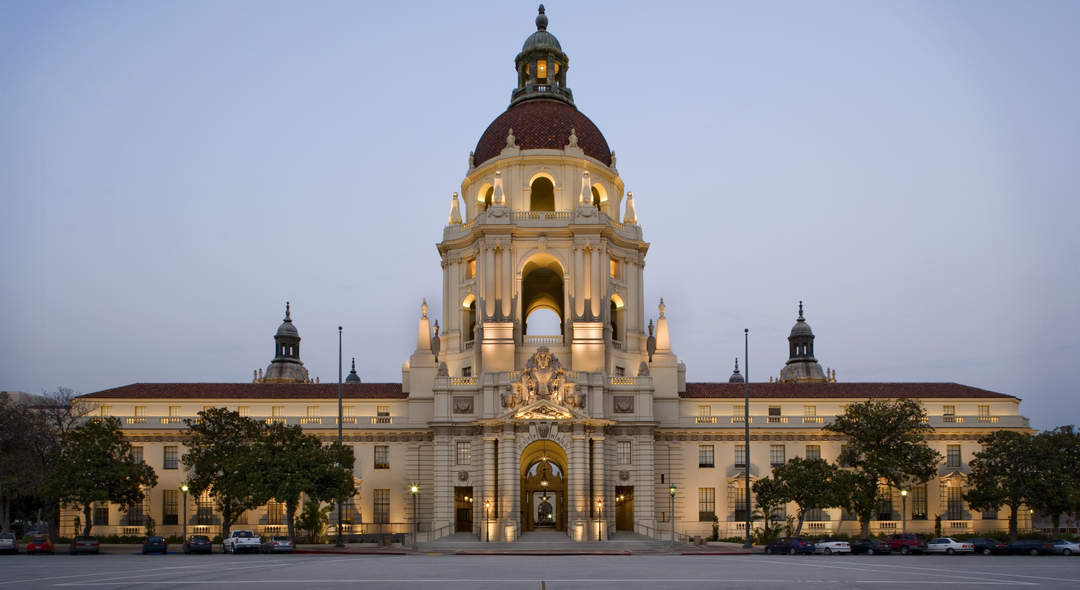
583	429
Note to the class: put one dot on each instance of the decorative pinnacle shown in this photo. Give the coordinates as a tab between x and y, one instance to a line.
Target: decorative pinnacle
354	364
423	307
287	317
541	19
736	364
800	311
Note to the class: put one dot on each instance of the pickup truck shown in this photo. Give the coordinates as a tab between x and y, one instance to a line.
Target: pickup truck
241	540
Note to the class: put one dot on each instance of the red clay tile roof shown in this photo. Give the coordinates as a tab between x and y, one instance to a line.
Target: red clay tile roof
840	390
252	391
542	124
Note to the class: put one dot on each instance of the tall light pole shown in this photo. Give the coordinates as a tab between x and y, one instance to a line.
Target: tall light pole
340	542
184	488
487	534
903	515
414	490
746	429
599	519
671	491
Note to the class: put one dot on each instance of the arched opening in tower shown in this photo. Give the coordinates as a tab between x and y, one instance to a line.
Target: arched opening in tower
542	292
542	195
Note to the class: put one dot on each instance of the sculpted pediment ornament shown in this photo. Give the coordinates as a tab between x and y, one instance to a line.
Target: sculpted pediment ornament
543	388
543	411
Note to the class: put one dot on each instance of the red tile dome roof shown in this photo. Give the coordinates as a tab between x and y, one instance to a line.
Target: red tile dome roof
542	124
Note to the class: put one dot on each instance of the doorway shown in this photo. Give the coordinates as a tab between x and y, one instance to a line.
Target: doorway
624	508
543	487
463	509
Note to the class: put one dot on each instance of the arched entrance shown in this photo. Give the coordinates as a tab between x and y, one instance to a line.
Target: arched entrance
542	288
543	486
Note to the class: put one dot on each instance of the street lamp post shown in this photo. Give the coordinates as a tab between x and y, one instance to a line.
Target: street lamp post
414	490
184	488
903	514
599	519
340	542
671	491
746	430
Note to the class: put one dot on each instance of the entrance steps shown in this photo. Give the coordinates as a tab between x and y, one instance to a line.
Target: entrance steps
547	542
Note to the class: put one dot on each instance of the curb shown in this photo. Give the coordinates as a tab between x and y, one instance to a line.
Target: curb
327	552
556	552
715	553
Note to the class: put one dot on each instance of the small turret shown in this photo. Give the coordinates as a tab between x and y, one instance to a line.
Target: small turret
736	376
801	365
353	377
286	366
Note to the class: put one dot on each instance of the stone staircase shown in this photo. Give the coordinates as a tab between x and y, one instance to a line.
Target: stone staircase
547	543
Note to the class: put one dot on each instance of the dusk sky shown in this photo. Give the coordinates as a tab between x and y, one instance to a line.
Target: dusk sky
172	172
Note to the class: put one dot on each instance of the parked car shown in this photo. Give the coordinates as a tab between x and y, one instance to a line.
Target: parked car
198	544
241	540
870	547
1030	547
831	546
1065	547
791	546
8	543
84	545
278	544
907	543
39	544
949	546
155	545
988	546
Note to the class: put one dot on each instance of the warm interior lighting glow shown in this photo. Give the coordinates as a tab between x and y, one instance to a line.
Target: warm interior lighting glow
541	68
414	488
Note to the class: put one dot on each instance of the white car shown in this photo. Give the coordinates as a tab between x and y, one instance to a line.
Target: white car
8	543
831	546
949	546
1065	547
241	541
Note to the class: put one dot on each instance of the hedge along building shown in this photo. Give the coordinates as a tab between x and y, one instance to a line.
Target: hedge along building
583	429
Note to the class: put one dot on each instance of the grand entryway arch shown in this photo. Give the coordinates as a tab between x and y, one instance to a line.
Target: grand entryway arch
543	486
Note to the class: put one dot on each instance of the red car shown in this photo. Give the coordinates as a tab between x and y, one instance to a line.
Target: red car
39	544
907	543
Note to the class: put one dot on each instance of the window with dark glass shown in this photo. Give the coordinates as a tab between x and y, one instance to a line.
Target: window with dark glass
382	457
705	456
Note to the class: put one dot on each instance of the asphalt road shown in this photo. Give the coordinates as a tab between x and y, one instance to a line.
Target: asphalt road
445	572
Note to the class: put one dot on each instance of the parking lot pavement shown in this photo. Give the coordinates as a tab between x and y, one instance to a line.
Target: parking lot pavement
527	572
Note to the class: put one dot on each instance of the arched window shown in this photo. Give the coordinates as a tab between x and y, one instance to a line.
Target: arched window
487	196
542	195
595	197
469	317
614	321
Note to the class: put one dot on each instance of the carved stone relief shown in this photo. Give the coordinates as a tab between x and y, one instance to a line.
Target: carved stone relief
463	404
624	404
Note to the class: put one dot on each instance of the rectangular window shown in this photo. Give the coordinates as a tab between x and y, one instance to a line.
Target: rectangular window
171	458
842	459
954	509
706	504
207	408
381	499
140	411
740	455
464	452
948	413
984	411
738	413
990	515
277	411
105	411
101	514
470	269
737	500
813	451
705	456
918	502
620	371
613	270
170	503
466	371
952	456
275	512
704	411
774	414
622	452
382	414
137	454
777	455
810	411
348	411
244	411
541	69
204	509
382	457
174	411
884	504
313	411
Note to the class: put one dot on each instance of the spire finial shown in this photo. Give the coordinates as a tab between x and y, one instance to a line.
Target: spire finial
800	311
541	19
354	364
288	318
662	307
736	364
423	307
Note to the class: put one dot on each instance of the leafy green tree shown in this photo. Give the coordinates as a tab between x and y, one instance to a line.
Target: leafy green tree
809	483
95	465
223	456
314	518
1005	472
294	463
859	494
886	441
1057	489
770	496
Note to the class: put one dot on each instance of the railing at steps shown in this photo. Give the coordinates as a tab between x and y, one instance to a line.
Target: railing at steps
661	534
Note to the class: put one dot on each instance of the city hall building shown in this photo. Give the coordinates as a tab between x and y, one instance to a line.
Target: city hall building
586	430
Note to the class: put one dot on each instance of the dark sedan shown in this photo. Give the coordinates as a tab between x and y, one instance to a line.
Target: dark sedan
84	545
790	546
988	546
155	545
198	544
1031	547
870	547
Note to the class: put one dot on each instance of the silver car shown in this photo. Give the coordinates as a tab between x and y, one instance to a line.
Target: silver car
278	544
8	544
1065	547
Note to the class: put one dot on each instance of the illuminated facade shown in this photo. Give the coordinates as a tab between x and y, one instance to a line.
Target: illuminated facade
581	429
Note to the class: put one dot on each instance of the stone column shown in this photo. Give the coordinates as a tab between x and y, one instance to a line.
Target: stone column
595	276
578	284
489	281
599	486
444	480
577	501
643	457
489	487
507	282
508	476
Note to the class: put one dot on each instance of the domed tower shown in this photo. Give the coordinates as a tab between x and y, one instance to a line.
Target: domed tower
538	234
736	376
286	366
801	365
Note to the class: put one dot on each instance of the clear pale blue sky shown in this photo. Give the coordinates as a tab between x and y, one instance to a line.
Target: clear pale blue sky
172	172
